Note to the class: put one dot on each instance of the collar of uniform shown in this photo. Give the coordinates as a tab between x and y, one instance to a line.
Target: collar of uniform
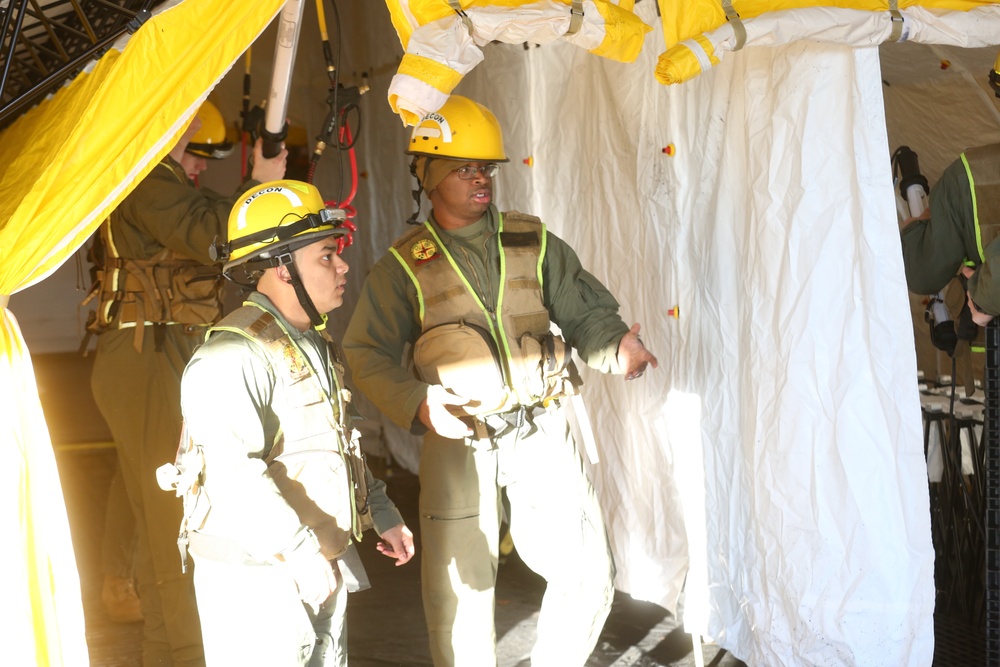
491	218
265	303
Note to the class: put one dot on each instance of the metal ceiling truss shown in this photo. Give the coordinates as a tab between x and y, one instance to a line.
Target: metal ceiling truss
44	45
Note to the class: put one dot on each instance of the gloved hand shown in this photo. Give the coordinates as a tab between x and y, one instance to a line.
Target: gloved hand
433	413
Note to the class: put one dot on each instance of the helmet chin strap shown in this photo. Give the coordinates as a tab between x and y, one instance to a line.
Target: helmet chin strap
300	291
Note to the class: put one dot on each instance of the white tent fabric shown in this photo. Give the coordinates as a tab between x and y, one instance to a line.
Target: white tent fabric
974	28
773	227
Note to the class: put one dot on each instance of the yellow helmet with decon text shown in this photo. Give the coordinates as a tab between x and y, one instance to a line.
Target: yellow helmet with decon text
210	139
275	218
460	130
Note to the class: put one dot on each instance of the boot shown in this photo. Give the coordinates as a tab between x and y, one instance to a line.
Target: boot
120	599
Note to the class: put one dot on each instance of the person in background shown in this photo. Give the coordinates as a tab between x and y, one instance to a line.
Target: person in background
277	489
958	234
453	338
156	293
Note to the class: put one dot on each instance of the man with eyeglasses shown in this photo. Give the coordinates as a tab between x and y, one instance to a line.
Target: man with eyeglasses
452	339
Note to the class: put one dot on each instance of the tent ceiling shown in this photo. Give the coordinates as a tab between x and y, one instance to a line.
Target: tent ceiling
43	46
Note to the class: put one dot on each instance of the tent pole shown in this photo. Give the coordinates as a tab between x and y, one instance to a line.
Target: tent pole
286	44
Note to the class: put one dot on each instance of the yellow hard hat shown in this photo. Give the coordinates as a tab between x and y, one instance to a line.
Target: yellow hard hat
210	139
460	130
274	219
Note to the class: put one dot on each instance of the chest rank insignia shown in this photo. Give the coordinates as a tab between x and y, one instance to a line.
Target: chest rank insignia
297	366
424	250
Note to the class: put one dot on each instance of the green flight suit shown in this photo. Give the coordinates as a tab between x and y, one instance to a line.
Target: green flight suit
534	470
138	394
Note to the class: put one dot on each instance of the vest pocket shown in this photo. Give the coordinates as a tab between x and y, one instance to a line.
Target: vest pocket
463	359
545	360
317	485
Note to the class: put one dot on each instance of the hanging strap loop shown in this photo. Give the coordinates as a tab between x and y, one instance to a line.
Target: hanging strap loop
457	6
575	17
734	20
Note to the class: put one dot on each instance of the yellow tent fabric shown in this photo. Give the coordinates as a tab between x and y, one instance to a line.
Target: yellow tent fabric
63	167
442	45
698	33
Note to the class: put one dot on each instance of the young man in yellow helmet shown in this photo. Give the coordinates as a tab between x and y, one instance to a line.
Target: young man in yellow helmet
473	293
279	490
156	292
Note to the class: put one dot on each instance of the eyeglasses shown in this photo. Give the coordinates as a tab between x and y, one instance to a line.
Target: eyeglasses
470	171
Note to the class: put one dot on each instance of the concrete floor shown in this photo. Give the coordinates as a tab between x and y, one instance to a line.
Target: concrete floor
636	633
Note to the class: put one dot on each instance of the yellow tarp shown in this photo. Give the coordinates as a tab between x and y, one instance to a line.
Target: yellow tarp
443	46
697	32
63	167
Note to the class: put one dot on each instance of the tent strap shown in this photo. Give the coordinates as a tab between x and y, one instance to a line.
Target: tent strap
897	21
734	20
457	6
575	17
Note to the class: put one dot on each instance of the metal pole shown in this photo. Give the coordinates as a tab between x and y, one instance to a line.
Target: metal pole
286	44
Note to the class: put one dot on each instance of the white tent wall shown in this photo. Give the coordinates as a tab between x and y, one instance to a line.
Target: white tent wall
773	228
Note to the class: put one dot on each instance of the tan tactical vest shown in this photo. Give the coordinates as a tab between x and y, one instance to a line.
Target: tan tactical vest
501	359
316	461
982	165
165	289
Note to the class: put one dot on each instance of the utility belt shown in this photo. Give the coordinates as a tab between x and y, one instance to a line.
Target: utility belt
498	425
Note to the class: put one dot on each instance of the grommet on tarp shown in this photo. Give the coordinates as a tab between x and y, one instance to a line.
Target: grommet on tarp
530	161
670	150
674	312
945	64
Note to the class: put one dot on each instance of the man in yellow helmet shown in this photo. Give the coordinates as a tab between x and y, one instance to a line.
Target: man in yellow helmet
282	490
156	292
468	298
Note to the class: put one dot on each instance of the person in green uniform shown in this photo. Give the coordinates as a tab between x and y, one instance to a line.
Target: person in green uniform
283	492
959	232
156	292
467	300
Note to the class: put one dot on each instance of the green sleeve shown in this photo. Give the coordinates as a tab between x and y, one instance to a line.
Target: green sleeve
383	325
384	512
582	307
934	248
163	212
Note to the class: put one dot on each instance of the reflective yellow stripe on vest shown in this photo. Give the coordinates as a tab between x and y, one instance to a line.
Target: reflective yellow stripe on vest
982	167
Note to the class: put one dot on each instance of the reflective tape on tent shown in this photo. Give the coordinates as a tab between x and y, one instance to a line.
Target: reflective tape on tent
65	165
697	38
443	40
